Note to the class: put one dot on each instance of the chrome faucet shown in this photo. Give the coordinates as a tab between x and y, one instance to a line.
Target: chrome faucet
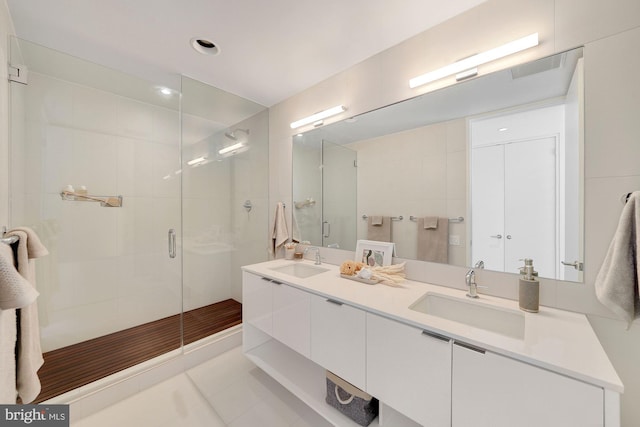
470	279
310	248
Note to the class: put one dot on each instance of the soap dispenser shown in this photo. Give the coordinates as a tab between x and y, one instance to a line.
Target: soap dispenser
529	288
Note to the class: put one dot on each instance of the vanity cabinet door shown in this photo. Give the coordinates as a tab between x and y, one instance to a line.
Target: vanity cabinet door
257	302
291	317
338	339
496	391
410	370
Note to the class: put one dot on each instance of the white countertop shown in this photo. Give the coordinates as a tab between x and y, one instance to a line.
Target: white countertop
557	340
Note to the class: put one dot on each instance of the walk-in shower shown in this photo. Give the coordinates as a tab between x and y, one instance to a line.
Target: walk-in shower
83	133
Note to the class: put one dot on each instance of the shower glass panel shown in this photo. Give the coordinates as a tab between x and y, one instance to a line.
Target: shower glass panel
325	193
76	124
225	198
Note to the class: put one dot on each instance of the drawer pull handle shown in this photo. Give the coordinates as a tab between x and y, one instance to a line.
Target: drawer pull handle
436	336
266	279
332	301
276	282
471	347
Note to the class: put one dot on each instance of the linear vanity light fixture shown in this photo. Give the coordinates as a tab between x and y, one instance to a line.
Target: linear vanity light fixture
230	148
475	60
319	116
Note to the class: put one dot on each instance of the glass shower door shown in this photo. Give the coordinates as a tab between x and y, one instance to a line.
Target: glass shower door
95	171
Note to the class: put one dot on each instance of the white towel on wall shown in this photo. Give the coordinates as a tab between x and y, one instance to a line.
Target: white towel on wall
29	358
279	231
618	279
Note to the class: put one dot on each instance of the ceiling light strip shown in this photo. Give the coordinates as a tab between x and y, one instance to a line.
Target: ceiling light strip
319	116
476	60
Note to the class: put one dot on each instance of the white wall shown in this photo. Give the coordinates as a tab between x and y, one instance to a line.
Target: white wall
611	37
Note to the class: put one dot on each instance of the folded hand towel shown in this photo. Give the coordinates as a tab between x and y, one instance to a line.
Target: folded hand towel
430	222
29	353
382	232
617	282
279	231
376	220
433	243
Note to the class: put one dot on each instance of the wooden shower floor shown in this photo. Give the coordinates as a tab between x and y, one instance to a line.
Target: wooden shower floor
79	364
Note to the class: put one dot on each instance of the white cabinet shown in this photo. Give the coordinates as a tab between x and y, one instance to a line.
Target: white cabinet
492	390
291	317
257	306
410	370
338	339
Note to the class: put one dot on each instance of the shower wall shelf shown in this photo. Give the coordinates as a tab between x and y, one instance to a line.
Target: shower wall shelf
105	201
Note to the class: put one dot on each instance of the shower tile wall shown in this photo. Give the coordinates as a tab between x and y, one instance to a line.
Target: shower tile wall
219	234
107	269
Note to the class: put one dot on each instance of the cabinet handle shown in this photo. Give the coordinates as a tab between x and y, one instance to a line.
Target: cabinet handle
276	282
497	236
332	301
266	279
470	347
436	336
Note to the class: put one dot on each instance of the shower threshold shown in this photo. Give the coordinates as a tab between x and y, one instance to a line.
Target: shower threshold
79	364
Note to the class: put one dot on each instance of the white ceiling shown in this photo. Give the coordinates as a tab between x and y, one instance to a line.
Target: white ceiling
270	49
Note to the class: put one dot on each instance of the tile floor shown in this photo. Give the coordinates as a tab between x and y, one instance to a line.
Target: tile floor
227	391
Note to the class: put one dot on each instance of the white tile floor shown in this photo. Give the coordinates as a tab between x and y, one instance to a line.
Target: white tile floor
227	391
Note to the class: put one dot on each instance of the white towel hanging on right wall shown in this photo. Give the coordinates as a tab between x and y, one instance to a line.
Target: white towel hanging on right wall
617	282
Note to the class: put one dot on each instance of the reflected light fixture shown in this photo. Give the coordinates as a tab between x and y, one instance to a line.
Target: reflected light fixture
196	161
230	148
319	116
475	60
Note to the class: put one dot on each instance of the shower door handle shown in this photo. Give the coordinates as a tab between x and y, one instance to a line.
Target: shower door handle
326	225
172	243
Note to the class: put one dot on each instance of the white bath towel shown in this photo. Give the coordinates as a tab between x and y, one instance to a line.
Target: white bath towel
617	281
29	352
8	357
279	231
15	290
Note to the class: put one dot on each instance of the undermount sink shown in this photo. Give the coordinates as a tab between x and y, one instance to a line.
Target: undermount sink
301	271
472	313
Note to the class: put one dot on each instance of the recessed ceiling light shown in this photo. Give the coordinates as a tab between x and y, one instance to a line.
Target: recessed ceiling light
502	129
165	91
204	46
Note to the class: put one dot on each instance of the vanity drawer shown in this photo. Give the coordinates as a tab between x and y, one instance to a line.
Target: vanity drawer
410	370
338	339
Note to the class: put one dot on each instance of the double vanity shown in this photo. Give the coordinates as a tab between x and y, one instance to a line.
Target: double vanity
430	355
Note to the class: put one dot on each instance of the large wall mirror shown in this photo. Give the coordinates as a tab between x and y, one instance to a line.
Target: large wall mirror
489	169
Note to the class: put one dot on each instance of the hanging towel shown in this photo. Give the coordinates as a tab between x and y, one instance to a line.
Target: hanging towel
433	242
380	232
29	353
15	290
8	357
430	222
376	220
279	232
617	282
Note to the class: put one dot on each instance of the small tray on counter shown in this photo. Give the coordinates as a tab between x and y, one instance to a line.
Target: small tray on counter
360	279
